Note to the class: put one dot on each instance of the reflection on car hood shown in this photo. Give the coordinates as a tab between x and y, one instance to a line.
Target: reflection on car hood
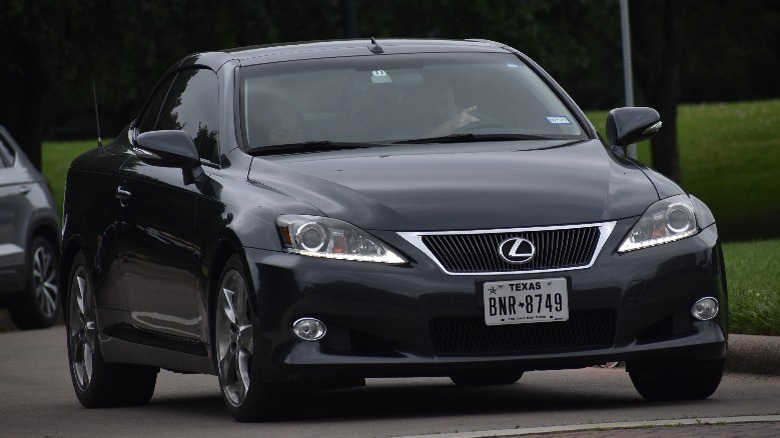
451	187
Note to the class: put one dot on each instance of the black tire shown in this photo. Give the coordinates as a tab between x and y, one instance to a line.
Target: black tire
486	377
39	306
98	384
686	380
246	395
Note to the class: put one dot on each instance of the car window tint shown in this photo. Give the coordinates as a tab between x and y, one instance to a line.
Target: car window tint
192	106
7	154
148	119
3	154
368	98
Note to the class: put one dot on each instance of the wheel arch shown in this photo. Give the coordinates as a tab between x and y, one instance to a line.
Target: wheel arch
227	245
47	229
67	255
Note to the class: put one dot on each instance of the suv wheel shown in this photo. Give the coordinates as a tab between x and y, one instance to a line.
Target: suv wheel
39	305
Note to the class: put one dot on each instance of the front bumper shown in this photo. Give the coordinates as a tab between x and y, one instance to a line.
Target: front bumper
13	270
415	320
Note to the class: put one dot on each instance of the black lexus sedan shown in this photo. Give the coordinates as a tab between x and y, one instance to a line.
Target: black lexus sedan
300	217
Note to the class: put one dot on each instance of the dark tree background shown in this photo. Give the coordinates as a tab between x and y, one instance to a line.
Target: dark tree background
52	51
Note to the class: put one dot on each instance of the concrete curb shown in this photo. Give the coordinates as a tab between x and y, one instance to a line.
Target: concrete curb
748	354
752	354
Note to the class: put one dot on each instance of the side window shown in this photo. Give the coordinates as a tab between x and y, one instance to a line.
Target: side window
192	105
7	154
3	154
149	118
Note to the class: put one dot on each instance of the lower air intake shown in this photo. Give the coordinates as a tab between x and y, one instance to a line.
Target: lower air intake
470	336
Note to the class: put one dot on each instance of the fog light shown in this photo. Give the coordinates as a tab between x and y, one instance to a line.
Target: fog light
309	329
705	309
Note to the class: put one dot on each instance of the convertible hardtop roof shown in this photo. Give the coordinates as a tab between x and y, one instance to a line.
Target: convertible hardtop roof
329	49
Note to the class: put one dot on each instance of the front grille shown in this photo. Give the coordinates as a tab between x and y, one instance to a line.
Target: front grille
561	248
470	336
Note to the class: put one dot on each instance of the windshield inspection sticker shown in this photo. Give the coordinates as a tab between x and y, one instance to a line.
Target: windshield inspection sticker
380	77
558	120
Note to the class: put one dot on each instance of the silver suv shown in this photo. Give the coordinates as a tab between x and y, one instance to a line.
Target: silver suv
29	241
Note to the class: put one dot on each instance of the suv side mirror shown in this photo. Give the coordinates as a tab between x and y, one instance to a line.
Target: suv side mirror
167	149
632	124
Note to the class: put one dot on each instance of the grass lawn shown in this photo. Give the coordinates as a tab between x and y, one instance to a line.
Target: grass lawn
753	275
56	158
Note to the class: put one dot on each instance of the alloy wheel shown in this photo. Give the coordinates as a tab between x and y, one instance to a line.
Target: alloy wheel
44	277
81	329
235	344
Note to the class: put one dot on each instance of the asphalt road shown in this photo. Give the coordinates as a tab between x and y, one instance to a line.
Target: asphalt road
37	400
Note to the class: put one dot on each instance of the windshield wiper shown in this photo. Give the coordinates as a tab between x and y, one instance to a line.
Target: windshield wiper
328	145
307	147
468	138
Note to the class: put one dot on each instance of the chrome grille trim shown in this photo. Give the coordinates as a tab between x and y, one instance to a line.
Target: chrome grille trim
482	252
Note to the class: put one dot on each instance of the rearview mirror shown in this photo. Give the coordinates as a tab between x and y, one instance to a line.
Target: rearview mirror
632	124
167	149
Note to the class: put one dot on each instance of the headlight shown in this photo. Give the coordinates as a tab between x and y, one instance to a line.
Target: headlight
665	221
334	239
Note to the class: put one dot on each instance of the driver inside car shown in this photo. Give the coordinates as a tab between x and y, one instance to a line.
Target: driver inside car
434	112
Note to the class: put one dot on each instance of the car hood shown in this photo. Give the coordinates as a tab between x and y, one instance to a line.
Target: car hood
462	186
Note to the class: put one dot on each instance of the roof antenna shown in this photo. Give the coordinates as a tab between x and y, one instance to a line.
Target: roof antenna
97	116
375	47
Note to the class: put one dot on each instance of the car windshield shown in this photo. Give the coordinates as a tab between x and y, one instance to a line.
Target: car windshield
419	98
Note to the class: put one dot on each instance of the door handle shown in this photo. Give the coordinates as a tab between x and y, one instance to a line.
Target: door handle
23	190
123	195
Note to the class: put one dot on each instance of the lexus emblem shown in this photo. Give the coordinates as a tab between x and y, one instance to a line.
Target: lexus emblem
517	250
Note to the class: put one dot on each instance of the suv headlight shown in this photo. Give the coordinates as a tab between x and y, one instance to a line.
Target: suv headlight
665	221
334	239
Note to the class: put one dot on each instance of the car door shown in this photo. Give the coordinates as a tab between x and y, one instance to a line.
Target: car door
14	208
159	259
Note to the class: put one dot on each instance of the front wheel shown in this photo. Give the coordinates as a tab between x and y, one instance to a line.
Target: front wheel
246	395
687	380
98	384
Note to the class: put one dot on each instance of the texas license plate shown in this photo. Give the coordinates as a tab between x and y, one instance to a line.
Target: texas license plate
526	301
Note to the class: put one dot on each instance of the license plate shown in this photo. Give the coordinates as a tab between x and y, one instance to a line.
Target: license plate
526	301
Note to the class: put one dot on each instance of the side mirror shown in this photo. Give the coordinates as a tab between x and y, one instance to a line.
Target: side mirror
631	124
167	149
